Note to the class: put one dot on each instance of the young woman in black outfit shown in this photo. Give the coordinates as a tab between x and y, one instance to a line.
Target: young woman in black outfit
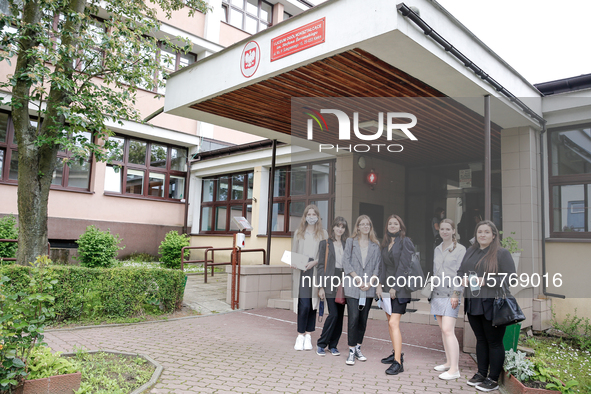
331	265
487	261
397	251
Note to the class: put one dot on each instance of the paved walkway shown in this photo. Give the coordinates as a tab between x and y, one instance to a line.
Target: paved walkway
207	298
252	352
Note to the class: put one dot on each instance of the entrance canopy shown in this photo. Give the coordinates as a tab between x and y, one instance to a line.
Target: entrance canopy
347	48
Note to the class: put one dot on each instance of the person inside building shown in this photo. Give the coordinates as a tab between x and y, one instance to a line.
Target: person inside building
483	268
444	299
361	263
438	216
330	265
397	251
305	241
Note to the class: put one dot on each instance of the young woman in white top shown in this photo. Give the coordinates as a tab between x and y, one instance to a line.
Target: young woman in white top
445	301
305	241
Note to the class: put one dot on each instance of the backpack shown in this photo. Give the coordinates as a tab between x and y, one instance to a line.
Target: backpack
415	271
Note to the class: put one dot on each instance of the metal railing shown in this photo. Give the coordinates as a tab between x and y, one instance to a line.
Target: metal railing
16	240
183	261
211	262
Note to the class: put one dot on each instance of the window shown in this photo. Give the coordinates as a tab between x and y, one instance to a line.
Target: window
146	169
224	197
76	176
570	181
297	186
251	16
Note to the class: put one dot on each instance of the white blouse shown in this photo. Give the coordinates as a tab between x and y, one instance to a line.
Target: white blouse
338	251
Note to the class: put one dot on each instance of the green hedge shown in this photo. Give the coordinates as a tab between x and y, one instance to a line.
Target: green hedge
83	293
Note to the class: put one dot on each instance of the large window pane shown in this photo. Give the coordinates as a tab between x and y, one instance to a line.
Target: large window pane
13	172
296	211
167	58
116	154
251	25
571	151
176	189
250	185
58	173
158	155
279	188
252	7
569	208
249	213
235	211
178	159
3	126
298	180
323	208
320	178
266	12
206	219
236	18
238	3
222	193
220	218
113	179
79	175
278	217
137	152
208	185
156	184
1	162
186	59
237	187
135	182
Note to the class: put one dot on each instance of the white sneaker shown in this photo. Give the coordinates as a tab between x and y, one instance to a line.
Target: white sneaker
449	376
441	368
308	342
299	345
351	358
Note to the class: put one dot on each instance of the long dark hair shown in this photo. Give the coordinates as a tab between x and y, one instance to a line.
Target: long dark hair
339	221
387	238
489	261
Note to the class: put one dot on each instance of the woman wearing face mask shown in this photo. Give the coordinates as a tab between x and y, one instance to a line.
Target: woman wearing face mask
397	251
444	300
330	265
361	262
485	265
305	241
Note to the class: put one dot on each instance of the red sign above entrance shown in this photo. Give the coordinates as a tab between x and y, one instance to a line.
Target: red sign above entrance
297	40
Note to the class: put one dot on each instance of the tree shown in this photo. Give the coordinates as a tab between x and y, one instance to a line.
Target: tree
74	74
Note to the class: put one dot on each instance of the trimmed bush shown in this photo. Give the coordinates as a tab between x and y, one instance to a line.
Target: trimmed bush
98	248
84	293
170	249
8	230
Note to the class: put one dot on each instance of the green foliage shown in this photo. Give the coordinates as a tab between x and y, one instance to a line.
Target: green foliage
510	243
8	230
578	329
43	364
170	249
98	248
98	293
518	365
25	306
137	257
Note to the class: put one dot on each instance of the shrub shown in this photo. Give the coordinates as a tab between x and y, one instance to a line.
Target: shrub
98	248
170	249
138	257
8	230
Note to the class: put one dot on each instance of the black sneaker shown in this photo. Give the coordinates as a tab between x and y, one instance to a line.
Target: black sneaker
488	385
390	359
476	379
395	368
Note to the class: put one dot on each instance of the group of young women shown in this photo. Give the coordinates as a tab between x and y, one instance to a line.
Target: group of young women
367	269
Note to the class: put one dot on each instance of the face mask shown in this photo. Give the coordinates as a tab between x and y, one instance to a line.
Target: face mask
311	220
393	235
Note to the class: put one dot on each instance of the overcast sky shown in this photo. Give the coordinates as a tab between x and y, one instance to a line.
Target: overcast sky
543	40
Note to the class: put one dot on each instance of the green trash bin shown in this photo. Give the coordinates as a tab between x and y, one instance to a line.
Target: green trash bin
511	338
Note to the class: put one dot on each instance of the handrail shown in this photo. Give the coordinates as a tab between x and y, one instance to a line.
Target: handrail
213	263
16	240
192	261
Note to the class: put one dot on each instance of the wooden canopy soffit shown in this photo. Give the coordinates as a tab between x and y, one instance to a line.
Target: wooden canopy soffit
447	131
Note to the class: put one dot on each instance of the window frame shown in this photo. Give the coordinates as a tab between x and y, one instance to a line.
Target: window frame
147	169
227	6
583	180
307	197
228	203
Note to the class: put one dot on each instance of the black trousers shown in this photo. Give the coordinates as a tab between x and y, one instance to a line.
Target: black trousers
306	315
490	351
357	320
333	325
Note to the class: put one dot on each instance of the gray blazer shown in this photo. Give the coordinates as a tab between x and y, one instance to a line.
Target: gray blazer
352	262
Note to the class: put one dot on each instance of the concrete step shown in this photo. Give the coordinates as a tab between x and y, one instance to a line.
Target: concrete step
280	303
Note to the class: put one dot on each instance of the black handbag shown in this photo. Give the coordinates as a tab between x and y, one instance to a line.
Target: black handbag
505	309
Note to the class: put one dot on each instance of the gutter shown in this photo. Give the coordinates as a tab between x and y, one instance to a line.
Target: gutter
410	14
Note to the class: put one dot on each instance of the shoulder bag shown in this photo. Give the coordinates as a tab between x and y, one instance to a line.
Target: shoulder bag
505	309
340	296
415	271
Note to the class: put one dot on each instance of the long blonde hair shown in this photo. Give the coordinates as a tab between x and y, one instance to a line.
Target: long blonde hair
453	227
318	230
357	234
